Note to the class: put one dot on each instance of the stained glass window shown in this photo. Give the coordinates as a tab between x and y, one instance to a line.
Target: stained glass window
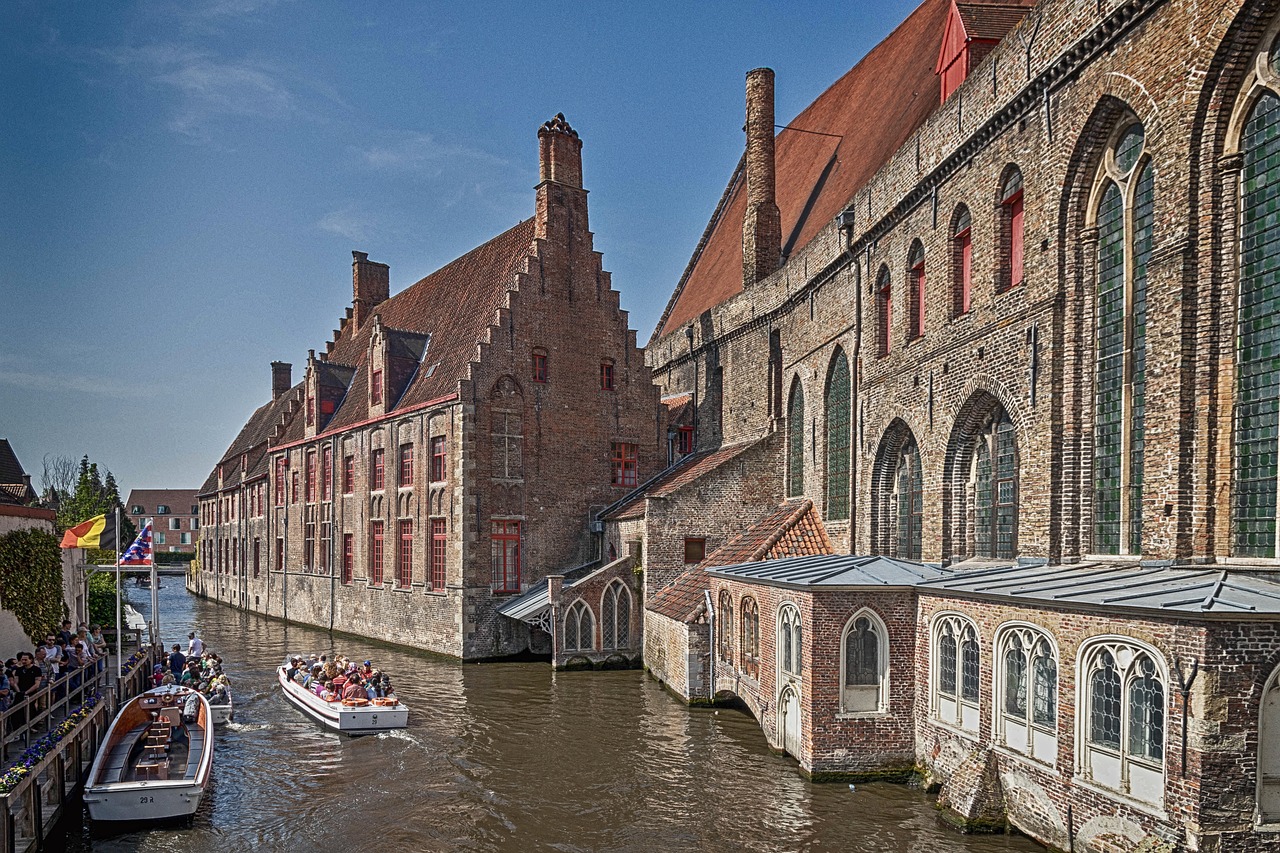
1104	703
795	442
969	668
994	488
1146	713
838	438
910	503
1015	679
1044	690
1109	376
726	626
862	654
947	662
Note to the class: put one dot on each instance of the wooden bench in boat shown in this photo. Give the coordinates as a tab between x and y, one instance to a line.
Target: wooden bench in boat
119	757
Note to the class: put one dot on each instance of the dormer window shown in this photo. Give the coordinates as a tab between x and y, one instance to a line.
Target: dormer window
163	509
136	510
375	388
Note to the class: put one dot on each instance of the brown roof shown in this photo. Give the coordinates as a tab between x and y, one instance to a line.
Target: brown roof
179	501
791	530
678	407
13	487
871	111
992	21
252	440
681	474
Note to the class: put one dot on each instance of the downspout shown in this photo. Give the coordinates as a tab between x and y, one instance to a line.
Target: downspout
711	652
333	525
846	227
697	439
1184	687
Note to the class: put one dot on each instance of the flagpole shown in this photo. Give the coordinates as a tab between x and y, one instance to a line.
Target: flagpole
155	594
119	607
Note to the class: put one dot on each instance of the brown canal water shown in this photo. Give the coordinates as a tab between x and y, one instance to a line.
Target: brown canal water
506	756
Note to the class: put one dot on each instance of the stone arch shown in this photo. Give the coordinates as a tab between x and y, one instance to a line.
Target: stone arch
897	437
981	411
837	408
1267	808
795	437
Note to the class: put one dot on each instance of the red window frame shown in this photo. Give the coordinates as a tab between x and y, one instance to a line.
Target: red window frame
439	545
348	557
379	472
437	459
606	376
406	465
505	548
1014	207
623	464
375	388
296	487
326	474
311	476
377	530
348	475
309	547
404	566
684	440
540	372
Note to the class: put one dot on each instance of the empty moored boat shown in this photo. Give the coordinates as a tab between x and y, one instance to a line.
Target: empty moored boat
156	760
361	717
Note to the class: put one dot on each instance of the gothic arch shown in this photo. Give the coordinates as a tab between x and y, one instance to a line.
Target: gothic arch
795	438
986	433
837	407
885	514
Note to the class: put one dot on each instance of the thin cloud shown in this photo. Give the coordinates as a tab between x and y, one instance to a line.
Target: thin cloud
423	154
348	222
69	383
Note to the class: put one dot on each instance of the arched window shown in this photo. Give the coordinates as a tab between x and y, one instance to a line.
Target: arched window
957	673
579	633
795	442
1027	692
615	617
961	261
1009	250
993	485
884	311
1123	723
750	647
908	501
1269	752
1124	219
1257	408
838	413
864	674
789	642
726	627
916	291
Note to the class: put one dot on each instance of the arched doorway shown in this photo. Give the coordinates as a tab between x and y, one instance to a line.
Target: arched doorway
789	722
1269	752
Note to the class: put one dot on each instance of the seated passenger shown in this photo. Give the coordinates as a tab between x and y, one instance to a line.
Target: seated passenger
353	689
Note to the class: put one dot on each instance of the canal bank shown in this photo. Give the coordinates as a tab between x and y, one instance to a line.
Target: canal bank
511	756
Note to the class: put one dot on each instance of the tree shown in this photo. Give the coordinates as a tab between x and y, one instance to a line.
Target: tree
93	496
58	479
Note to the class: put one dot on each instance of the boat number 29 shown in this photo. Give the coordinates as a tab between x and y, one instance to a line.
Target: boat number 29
374	720
146	799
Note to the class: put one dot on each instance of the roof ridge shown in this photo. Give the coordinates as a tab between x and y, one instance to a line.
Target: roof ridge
763	549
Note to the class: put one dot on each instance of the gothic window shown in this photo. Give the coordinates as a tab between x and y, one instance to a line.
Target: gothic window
795	442
908	500
957	671
579	633
915	291
1009	250
725	640
884	311
993	488
508	446
838	409
615	617
750	647
1124	221
1027	692
864	648
789	641
961	262
1269	752
1124	718
1257	409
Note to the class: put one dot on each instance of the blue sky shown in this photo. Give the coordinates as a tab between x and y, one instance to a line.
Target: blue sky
183	184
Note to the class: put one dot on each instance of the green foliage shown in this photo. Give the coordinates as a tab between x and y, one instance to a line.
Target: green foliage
93	497
31	579
102	598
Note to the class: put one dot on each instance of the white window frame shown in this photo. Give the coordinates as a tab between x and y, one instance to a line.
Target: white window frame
955	711
575	610
1135	777
882	654
1024	735
789	624
619	591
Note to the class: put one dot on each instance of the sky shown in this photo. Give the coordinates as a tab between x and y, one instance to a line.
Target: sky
182	184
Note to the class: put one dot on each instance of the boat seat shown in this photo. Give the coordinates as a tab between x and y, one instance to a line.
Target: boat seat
172	716
194	751
119	756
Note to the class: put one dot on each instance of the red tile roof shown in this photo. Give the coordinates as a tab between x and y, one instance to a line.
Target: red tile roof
682	599
681	474
992	21
179	501
13	488
871	111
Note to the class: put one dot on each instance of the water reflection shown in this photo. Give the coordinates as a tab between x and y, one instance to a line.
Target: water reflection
509	757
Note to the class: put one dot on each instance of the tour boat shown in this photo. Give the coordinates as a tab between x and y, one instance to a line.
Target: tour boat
353	716
155	762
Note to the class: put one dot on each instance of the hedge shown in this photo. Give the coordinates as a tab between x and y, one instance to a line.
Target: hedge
31	580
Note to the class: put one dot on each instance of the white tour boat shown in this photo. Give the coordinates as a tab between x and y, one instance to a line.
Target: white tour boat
353	717
222	714
156	759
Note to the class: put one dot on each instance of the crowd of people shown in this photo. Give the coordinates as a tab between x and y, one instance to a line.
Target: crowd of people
199	667
61	662
339	679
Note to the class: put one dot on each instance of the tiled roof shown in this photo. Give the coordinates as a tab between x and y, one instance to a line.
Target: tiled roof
832	571
991	21
677	407
179	501
673	478
252	439
13	488
682	598
869	112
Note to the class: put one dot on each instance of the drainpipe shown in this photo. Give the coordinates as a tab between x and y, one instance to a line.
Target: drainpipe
333	526
1184	687
711	656
846	227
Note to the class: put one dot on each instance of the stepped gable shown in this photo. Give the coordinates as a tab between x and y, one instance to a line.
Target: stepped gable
454	305
792	530
872	110
672	478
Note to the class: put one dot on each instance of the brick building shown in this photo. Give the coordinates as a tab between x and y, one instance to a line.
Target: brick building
1022	331
443	453
174	515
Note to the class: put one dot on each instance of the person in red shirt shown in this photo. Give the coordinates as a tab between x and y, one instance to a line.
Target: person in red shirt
353	689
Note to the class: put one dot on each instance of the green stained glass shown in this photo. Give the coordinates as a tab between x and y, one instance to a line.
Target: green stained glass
838	436
1143	209
1258	342
795	443
1109	374
1273	57
1129	148
910	504
982	501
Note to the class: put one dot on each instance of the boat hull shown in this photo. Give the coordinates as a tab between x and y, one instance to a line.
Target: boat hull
221	714
130	802
366	720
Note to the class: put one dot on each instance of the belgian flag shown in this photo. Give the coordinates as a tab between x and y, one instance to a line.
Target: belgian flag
97	532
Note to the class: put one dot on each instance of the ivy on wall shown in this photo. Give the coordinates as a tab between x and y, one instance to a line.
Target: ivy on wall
31	580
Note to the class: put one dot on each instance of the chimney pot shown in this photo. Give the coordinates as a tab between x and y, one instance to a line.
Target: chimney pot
560	153
281	378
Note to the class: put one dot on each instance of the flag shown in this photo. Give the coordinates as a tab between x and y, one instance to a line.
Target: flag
139	553
97	532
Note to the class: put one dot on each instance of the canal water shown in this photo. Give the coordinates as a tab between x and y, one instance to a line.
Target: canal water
506	756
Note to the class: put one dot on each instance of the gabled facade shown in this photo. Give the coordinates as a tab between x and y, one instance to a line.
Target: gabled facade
445	451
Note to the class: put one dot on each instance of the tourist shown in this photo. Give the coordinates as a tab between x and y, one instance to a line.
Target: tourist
99	641
177	661
195	646
29	677
51	649
65	635
353	688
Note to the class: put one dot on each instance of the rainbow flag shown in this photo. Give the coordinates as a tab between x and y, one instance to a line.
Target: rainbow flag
97	532
139	553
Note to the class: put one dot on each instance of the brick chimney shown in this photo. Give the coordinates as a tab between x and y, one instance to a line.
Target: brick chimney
371	286
560	152
281	378
561	208
761	224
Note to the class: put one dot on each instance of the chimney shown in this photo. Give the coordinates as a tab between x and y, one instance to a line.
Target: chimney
560	153
371	286
761	225
281	378
560	212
